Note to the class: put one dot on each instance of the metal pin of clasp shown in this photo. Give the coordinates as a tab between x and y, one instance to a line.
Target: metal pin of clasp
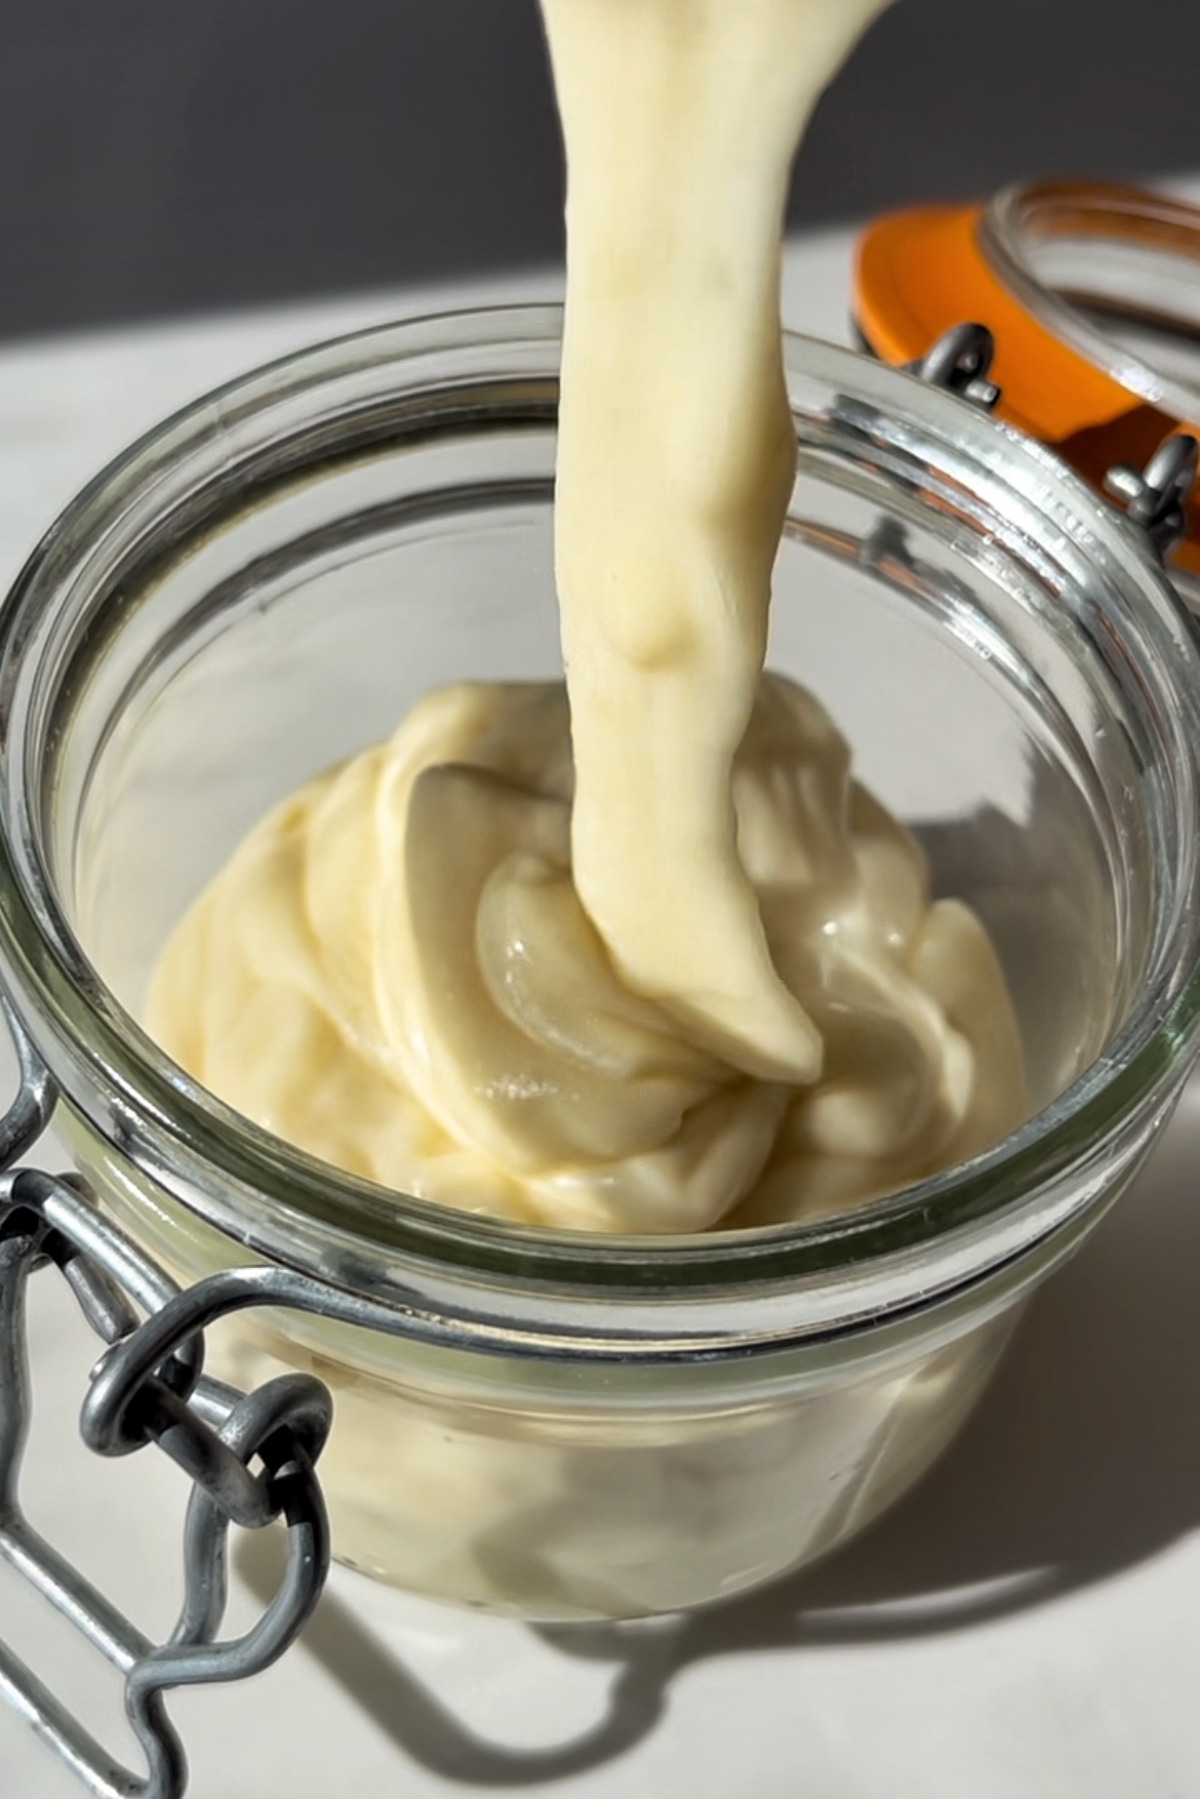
959	361
1156	497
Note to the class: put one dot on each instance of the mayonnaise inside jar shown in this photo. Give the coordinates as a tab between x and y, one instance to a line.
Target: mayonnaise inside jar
636	955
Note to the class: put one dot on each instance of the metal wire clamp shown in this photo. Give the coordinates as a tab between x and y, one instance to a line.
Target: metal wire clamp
250	1457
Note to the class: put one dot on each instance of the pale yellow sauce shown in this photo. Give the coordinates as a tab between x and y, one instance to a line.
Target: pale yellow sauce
661	966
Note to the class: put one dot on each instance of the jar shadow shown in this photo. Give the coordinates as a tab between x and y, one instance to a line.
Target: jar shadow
1074	1468
1078	1464
409	1712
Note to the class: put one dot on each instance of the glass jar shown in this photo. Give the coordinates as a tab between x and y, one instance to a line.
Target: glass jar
1092	293
543	1422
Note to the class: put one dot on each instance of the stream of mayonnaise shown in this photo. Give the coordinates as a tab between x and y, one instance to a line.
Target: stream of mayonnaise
653	963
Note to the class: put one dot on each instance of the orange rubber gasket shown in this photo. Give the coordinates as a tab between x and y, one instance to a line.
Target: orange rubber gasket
921	271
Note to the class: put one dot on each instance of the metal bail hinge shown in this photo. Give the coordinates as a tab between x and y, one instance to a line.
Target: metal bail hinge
251	1456
1156	497
959	362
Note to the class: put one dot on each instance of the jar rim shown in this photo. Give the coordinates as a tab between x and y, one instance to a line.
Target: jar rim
280	1203
1027	212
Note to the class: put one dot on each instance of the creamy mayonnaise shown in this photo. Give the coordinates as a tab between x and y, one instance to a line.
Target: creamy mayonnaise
396	972
676	459
653	963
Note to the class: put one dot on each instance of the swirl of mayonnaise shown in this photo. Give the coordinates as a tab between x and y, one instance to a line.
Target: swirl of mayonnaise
395	972
636	955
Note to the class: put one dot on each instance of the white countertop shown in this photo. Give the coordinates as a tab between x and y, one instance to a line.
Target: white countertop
1027	1623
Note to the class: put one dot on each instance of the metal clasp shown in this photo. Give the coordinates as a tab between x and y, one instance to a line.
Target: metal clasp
148	1388
1156	497
959	361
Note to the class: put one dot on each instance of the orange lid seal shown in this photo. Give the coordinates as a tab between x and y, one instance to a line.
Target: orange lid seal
920	272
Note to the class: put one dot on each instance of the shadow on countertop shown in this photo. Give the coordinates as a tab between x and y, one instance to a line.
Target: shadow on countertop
1080	1463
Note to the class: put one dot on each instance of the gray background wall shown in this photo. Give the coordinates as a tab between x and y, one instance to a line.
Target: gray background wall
159	156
